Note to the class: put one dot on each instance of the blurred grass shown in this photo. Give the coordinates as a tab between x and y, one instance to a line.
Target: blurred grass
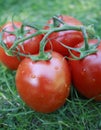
77	113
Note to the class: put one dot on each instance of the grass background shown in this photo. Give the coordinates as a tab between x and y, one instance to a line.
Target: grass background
78	113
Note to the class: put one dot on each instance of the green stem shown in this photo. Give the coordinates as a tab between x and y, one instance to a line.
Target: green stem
57	21
85	38
26	38
43	41
44	55
65	27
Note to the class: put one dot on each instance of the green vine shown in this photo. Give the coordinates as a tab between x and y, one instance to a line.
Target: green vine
84	51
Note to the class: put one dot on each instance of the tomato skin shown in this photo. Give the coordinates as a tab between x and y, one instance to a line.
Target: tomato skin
30	46
10	62
86	74
44	85
69	38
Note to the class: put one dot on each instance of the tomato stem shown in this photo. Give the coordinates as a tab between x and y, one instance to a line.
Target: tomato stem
26	38
85	37
65	27
44	40
57	21
84	51
47	55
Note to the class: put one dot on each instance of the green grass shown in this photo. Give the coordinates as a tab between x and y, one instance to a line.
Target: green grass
78	113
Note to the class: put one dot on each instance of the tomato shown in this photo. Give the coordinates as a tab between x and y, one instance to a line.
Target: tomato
44	85
69	38
30	46
86	73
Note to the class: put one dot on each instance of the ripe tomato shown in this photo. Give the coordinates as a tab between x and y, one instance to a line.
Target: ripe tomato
69	38
30	46
44	85
86	73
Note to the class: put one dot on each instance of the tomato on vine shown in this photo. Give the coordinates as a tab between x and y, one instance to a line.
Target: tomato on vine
13	31
44	85
67	37
86	72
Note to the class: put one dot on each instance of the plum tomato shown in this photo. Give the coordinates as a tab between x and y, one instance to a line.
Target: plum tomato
30	46
44	85
86	73
69	37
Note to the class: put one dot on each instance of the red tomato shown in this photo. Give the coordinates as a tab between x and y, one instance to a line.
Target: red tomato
30	46
69	38
86	74
44	85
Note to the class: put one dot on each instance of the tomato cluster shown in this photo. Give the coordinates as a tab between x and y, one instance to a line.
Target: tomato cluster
44	76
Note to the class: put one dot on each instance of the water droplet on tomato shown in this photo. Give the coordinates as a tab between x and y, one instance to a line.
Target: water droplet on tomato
83	71
65	85
93	79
